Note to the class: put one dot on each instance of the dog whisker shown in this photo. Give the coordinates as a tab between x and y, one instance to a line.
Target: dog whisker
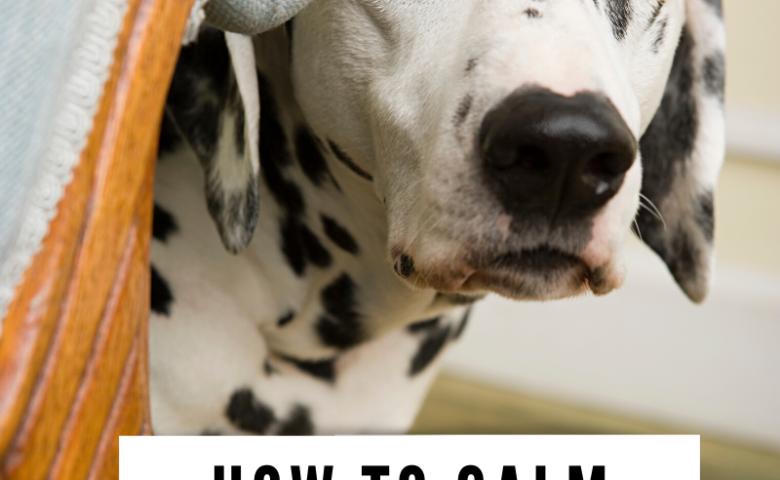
638	231
652	208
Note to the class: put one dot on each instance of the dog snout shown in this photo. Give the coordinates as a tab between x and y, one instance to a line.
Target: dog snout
547	154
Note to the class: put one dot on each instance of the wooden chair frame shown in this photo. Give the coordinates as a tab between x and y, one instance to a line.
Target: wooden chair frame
73	351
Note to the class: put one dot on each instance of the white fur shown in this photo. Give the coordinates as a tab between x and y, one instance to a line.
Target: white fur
224	318
383	80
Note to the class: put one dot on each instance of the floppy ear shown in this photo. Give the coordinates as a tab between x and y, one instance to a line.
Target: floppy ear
682	153
214	104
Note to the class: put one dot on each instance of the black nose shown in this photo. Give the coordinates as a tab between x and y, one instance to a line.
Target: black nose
555	155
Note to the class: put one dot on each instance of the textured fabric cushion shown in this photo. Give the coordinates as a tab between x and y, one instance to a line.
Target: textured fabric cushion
55	56
251	17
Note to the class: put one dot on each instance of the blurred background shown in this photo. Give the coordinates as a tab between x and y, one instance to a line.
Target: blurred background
645	359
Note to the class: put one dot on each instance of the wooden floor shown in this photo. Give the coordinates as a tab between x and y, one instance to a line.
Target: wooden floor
460	407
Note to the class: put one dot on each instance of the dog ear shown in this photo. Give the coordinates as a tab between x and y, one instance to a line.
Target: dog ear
682	153
214	104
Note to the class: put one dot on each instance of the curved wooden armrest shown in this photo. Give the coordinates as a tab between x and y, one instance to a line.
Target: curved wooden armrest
73	351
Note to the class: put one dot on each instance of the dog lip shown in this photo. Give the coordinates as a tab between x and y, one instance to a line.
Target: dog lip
538	273
539	259
542	272
510	284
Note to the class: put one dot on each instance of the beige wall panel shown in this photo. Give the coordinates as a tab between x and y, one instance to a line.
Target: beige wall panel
753	62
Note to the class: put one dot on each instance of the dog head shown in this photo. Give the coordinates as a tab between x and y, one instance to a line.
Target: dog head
514	142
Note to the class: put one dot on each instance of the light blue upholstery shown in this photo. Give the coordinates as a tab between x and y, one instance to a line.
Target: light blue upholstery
36	42
54	59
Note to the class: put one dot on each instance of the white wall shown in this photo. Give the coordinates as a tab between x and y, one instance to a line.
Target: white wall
753	78
753	57
644	350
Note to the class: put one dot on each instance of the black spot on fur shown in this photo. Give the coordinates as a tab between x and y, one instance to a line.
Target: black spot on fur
471	64
666	148
310	157
656	12
463	109
705	216
340	326
532	13
274	153
210	433
405	266
659	38
292	245
161	294
268	368
717	5
669	140
429	349
273	143
203	99
462	326
619	13
300	245
298	423
682	257
315	252
320	369
458	299
169	139
236	107
198	91
666	151
714	74
424	325
344	158
240	127
286	319
247	413
339	235
163	223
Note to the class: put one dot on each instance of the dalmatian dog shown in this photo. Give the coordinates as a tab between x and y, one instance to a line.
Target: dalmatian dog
373	167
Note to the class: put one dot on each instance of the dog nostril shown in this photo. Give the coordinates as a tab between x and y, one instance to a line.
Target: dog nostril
609	164
500	158
528	158
403	265
604	173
